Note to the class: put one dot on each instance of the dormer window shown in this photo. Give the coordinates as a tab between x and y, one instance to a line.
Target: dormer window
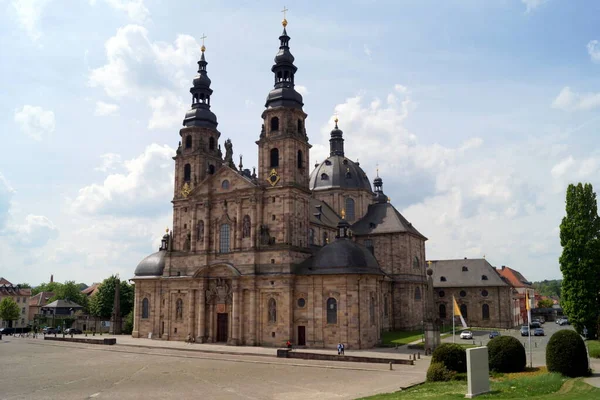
464	268
324	177
442	279
327	162
484	277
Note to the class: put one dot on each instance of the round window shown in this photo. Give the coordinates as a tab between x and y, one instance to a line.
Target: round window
463	293
301	302
484	293
441	293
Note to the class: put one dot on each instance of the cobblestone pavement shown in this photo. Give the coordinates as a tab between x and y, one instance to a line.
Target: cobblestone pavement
34	368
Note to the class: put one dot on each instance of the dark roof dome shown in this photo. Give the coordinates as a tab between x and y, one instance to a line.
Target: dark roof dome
347	256
153	265
339	172
199	114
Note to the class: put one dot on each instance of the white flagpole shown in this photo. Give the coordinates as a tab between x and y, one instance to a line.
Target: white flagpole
453	321
529	330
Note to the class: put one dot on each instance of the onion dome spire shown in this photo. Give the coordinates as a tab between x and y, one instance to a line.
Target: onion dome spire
336	143
283	93
200	114
380	197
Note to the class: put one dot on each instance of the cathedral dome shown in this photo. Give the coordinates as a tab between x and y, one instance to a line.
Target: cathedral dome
153	265
339	172
344	256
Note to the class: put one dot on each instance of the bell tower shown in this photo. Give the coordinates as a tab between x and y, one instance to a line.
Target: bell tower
198	154
283	144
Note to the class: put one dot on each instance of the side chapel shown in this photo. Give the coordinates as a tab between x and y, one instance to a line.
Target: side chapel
262	257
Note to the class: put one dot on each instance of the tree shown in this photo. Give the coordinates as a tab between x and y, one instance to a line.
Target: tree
580	261
24	286
9	310
101	304
545	303
548	287
46	287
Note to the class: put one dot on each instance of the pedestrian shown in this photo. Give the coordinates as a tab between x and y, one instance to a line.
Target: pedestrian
339	347
288	344
342	344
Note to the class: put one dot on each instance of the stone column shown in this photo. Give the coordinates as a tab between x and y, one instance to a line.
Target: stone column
191	311
136	311
238	226
253	223
235	314
193	225
201	336
211	318
253	335
207	227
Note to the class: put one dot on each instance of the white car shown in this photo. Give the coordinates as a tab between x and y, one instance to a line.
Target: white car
466	335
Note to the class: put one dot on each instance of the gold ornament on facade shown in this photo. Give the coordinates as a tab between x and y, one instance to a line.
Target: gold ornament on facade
186	190
273	178
343	213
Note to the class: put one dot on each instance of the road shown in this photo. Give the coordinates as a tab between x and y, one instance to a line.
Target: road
33	368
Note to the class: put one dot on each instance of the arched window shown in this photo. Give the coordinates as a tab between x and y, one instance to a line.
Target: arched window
188	142
325	238
145	308
225	185
485	311
372	310
350	215
211	143
274	124
187	172
299	126
200	231
224	239
417	293
484	277
442	279
463	310
272	310
442	311
179	309
246	226
300	159
211	169
331	311
274	158
311	236
416	262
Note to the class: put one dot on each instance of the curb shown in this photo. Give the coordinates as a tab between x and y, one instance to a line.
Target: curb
229	353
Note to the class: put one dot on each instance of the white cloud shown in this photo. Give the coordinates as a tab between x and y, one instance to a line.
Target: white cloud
143	190
110	161
593	50
167	111
533	4
104	109
367	51
568	100
301	89
35	232
35	121
135	9
560	169
6	193
572	170
29	13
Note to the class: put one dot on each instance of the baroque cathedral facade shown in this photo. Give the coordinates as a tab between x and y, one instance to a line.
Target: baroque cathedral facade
262	257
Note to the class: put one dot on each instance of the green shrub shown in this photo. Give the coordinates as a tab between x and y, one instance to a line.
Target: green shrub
128	323
506	354
437	372
566	354
453	356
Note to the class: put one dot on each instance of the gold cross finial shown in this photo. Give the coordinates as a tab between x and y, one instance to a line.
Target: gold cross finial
284	22
336	118
377	165
429	263
167	229
203	37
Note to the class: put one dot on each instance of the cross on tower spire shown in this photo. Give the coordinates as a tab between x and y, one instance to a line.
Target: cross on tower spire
203	37
284	11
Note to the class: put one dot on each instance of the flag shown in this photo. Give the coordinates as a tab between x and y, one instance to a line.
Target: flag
527	304
458	313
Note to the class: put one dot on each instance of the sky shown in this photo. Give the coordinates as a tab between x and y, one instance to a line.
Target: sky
478	114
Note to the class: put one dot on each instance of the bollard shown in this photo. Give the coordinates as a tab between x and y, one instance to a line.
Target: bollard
54	334
391	369
71	335
415	356
535	344
419	355
473	341
94	333
85	333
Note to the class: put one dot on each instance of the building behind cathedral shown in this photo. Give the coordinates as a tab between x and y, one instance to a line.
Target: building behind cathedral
280	253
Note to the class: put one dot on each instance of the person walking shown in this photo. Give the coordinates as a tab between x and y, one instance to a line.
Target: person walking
339	347
342	344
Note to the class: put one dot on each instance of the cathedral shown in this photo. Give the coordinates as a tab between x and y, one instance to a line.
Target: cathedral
279	253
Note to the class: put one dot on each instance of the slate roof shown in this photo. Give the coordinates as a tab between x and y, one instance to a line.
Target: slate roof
383	218
322	214
153	265
340	172
452	271
514	277
41	299
63	304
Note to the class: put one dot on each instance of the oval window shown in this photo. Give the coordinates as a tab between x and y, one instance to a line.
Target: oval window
301	302
463	293
484	293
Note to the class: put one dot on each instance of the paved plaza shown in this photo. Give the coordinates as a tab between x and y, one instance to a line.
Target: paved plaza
34	368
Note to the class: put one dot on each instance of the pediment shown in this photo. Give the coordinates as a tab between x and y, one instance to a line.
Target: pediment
214	183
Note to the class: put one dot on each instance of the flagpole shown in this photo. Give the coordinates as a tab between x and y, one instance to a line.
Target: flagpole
528	307
453	321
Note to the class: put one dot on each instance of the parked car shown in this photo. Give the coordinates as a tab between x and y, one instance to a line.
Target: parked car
7	331
493	334
538	332
524	330
50	331
73	331
535	325
466	335
563	321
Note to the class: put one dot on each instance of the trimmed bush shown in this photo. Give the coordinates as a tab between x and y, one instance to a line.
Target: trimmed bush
506	354
437	372
453	356
566	354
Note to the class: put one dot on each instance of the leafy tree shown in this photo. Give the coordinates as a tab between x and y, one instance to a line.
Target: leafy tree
46	287
24	285
580	261
9	310
545	303
82	286
548	287
101	304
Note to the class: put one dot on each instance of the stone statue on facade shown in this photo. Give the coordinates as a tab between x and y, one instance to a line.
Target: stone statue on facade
229	154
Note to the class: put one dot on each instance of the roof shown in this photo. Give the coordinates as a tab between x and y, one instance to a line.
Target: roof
63	304
455	275
91	290
339	172
384	218
514	277
41	299
321	213
4	281
8	289
153	265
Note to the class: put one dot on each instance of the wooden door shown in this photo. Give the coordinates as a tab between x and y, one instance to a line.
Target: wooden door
222	327
301	336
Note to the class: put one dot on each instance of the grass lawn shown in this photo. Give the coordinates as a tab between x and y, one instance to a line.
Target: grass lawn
401	337
593	348
510	386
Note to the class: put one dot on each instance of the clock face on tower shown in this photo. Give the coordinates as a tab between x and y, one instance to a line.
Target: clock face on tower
273	177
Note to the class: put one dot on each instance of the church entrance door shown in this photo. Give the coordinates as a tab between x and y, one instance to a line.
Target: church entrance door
301	336
222	327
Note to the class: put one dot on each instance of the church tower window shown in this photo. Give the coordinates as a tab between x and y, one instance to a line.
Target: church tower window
416	262
331	311
188	142
274	157
274	124
272	310
145	308
211	143
224	239
187	172
442	311
300	159
299	126
211	169
350	214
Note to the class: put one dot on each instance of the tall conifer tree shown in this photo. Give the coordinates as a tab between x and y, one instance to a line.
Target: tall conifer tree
580	259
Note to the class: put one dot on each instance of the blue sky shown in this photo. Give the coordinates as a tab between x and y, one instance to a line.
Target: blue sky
478	115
